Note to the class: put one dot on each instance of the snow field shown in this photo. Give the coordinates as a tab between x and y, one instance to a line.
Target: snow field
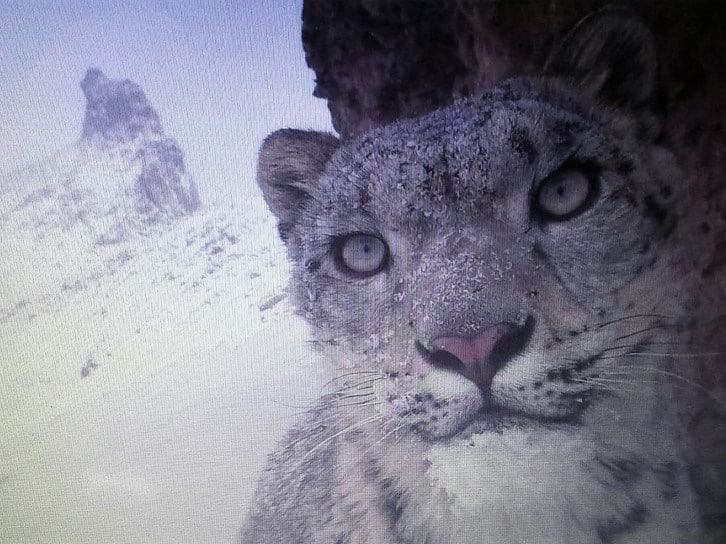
144	382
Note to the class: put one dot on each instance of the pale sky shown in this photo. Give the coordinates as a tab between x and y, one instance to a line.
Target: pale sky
221	75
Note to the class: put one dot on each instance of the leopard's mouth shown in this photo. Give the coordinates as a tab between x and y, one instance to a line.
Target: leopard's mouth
494	419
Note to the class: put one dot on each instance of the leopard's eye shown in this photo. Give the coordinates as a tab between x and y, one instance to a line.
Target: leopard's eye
564	194
361	254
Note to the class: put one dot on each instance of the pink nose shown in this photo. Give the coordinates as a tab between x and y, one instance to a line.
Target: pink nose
474	351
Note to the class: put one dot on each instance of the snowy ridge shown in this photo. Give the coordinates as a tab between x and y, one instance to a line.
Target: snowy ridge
61	271
169	331
83	187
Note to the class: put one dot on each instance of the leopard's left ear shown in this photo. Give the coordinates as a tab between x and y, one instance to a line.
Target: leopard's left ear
610	54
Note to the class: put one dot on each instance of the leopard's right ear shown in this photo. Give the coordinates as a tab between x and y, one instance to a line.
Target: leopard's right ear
289	164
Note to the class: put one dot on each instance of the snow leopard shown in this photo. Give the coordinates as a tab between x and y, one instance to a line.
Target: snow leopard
493	284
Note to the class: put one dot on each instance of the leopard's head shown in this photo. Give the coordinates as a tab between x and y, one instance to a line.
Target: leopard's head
495	262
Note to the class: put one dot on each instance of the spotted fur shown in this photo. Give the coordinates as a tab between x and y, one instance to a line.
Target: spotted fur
569	434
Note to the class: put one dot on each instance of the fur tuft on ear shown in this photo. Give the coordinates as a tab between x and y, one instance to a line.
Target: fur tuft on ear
289	164
610	54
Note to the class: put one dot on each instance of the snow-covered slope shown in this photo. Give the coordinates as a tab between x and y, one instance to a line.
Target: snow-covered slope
147	366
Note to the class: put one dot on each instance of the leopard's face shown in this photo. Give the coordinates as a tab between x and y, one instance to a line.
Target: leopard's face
491	264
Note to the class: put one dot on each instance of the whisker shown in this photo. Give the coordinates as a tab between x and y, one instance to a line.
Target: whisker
361	403
361	384
634	316
347	374
646	329
668	355
352	395
306	407
338	401
386	435
339	433
642	344
608	385
348	390
608	380
690	383
317	404
337	415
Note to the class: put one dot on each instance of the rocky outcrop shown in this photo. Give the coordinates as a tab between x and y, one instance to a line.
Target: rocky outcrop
118	113
123	178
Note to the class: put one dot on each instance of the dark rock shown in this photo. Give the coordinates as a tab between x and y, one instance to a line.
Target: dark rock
163	186
116	111
89	367
377	60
